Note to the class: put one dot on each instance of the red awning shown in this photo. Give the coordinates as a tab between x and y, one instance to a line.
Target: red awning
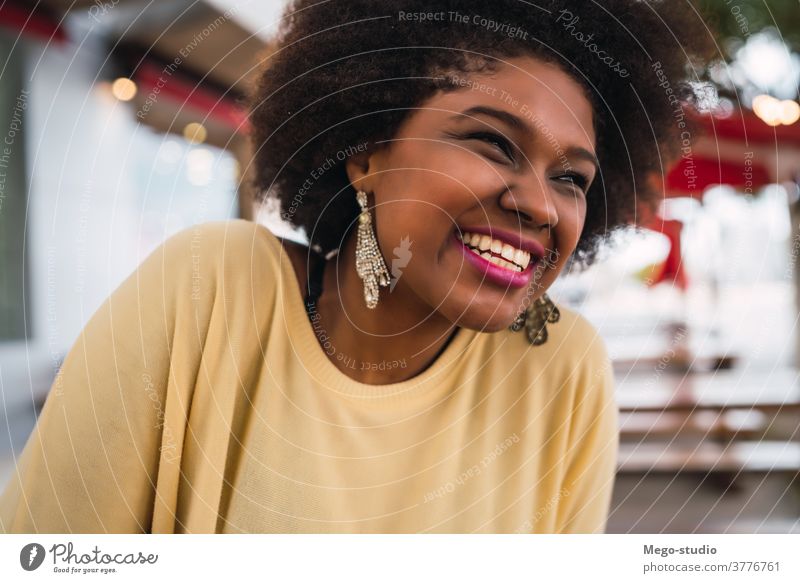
739	150
31	21
746	126
161	83
690	177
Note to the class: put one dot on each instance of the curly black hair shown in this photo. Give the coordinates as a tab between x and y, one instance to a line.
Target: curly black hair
344	74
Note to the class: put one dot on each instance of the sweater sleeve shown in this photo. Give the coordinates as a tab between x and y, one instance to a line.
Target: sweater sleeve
91	463
585	496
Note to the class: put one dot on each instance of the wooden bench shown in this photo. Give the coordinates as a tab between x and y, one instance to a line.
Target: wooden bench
701	364
637	426
761	457
770	394
655	402
716	426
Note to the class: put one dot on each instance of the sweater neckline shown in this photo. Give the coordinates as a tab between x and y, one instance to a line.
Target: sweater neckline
435	379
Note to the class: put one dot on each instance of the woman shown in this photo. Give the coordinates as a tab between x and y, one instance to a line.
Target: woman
407	372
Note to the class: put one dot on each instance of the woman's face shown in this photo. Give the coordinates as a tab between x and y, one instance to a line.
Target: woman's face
504	162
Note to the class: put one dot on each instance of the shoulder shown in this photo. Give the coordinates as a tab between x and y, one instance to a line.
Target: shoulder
199	262
217	244
573	360
586	375
219	236
573	343
581	354
576	338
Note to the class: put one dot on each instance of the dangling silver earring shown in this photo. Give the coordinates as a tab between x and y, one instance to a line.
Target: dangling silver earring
369	262
535	320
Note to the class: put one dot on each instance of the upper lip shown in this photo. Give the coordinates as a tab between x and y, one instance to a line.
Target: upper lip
517	240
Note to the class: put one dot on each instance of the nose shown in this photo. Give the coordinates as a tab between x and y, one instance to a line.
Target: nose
532	202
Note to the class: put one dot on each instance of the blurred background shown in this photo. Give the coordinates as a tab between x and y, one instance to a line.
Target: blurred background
122	123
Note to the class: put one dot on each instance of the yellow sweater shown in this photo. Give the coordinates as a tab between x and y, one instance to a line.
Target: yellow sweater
198	399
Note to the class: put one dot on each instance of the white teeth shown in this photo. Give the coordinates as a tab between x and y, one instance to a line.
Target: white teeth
521	258
497	261
512	258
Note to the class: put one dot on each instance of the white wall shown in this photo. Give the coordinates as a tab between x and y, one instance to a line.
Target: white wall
104	192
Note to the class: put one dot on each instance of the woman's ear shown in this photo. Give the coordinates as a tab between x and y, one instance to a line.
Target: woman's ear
362	167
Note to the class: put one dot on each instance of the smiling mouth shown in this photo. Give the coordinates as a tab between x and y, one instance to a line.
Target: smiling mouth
497	252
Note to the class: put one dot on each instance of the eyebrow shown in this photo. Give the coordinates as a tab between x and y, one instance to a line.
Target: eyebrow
518	124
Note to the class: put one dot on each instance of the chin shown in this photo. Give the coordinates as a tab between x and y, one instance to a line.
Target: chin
484	320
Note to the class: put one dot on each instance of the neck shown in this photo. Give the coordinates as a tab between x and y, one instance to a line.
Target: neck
391	343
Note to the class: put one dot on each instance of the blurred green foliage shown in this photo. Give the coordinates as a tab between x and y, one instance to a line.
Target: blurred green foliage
738	19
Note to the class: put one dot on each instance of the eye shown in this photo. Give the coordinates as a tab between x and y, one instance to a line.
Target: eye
579	181
499	142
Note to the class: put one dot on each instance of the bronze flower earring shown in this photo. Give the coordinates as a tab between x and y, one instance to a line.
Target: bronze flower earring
535	319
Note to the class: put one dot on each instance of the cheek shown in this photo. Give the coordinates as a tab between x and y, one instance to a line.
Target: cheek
565	237
426	189
572	217
439	174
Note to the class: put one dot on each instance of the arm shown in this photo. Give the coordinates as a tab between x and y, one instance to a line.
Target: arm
594	438
92	461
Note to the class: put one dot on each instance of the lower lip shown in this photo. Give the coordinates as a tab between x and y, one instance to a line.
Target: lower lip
495	273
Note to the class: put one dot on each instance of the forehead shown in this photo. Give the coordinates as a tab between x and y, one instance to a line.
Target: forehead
541	94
